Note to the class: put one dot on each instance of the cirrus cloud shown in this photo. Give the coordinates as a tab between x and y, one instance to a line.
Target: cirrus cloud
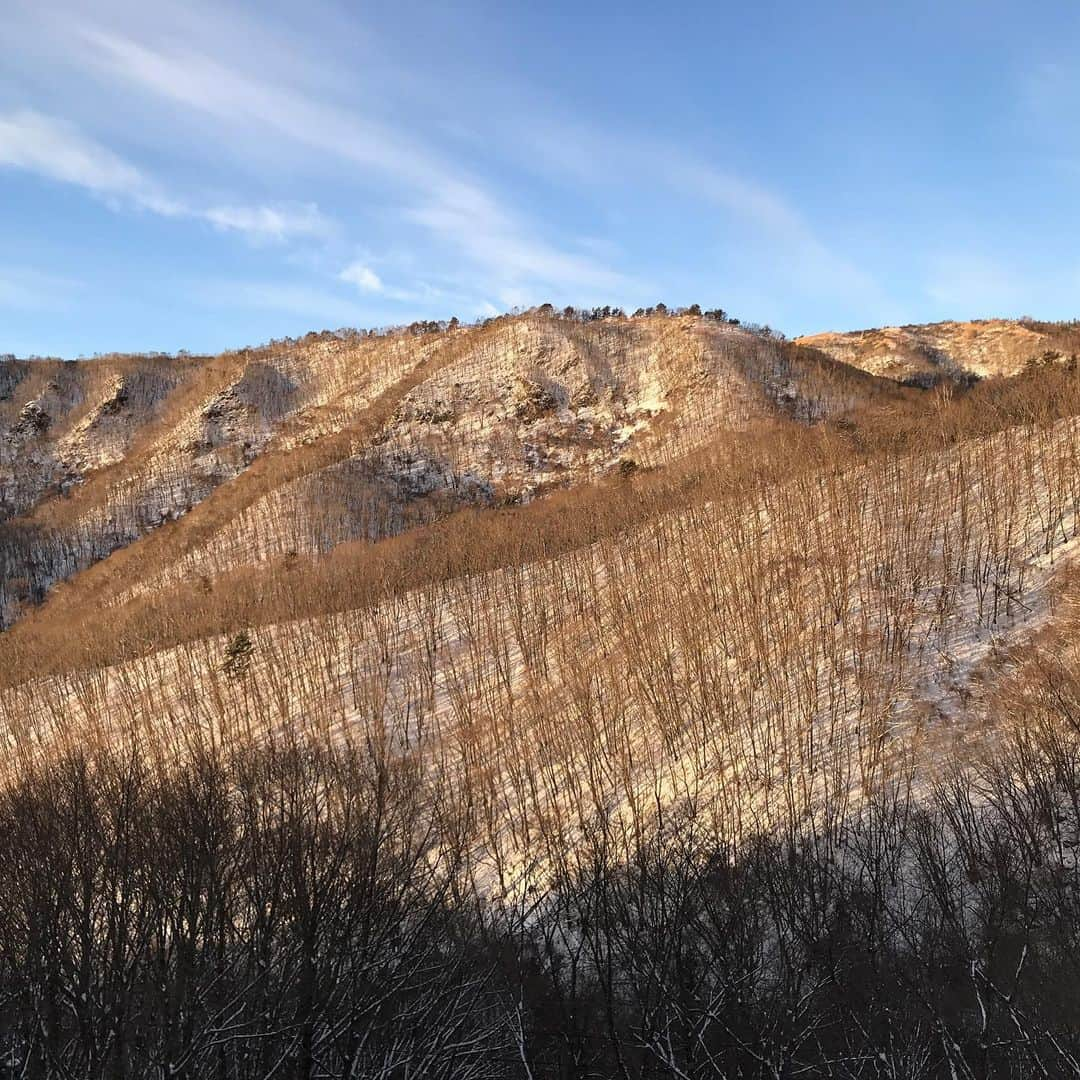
47	147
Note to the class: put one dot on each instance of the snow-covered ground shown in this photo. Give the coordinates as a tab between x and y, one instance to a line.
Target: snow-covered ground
766	656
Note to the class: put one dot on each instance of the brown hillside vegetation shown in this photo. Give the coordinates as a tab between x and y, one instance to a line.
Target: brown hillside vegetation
641	697
297	447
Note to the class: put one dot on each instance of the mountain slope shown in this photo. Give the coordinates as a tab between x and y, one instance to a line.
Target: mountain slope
444	692
689	562
299	446
777	647
482	535
958	351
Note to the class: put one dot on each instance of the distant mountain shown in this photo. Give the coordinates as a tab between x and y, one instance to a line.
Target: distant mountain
922	355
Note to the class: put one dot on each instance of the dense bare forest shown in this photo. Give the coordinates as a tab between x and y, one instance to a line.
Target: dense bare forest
568	695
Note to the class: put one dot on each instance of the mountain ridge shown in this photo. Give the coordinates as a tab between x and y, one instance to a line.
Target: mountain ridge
99	453
925	354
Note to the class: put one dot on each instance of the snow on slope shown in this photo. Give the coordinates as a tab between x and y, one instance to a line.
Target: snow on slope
534	404
300	445
779	652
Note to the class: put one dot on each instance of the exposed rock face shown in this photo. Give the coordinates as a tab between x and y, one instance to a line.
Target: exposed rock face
924	355
33	420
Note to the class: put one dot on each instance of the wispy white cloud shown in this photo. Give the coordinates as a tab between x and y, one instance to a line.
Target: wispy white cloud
450	206
50	148
368	282
815	265
316	304
466	216
363	277
793	247
420	293
278	222
222	89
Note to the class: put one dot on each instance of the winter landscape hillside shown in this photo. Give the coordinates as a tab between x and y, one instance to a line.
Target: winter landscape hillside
528	679
566	694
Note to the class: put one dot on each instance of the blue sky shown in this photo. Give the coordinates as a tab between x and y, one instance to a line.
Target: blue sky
206	175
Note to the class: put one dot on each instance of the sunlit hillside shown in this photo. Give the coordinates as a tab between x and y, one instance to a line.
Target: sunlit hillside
392	701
